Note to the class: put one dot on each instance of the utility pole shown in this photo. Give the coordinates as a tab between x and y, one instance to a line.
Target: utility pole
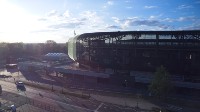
52	87
138	97
74	33
0	90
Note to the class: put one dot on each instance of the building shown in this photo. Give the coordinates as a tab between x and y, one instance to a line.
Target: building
55	56
128	51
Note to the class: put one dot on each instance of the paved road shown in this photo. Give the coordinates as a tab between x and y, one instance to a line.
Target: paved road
59	102
43	100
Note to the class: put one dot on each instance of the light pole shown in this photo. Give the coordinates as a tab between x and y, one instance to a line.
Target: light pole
0	90
63	83
138	96
52	87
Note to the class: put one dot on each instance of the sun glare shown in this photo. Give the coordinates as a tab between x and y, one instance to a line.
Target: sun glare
15	22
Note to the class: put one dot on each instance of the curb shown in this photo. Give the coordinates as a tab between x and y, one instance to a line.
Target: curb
57	89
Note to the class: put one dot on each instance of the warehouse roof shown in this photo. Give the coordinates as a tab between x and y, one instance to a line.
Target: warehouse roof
55	54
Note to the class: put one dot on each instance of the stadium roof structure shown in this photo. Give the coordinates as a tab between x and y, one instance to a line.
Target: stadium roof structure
182	34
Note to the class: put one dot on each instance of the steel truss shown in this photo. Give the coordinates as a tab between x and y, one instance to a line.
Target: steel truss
179	51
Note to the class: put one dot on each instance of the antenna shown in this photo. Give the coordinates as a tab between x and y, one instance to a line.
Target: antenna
74	33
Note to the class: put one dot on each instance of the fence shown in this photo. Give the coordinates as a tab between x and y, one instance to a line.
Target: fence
44	106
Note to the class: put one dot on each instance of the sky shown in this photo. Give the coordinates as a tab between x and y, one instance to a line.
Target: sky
35	21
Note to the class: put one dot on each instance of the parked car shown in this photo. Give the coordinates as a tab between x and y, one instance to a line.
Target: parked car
20	86
13	108
19	83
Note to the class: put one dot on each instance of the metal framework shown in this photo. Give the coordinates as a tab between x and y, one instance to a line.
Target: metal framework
195	34
178	51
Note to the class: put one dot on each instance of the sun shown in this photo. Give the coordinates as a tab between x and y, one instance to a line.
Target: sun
15	22
13	17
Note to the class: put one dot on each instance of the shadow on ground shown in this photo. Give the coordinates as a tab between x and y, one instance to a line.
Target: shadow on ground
39	78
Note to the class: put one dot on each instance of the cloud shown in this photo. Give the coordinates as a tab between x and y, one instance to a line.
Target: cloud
168	20
152	17
143	22
91	17
155	16
55	15
181	19
116	20
43	30
113	27
138	22
52	13
184	7
85	20
190	18
66	14
163	26
127	1
88	14
110	2
150	7
67	25
42	19
132	22
191	27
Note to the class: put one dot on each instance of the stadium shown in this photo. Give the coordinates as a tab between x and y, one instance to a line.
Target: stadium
125	52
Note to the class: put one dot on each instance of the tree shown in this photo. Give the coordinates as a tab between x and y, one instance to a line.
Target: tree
4	50
161	84
50	46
